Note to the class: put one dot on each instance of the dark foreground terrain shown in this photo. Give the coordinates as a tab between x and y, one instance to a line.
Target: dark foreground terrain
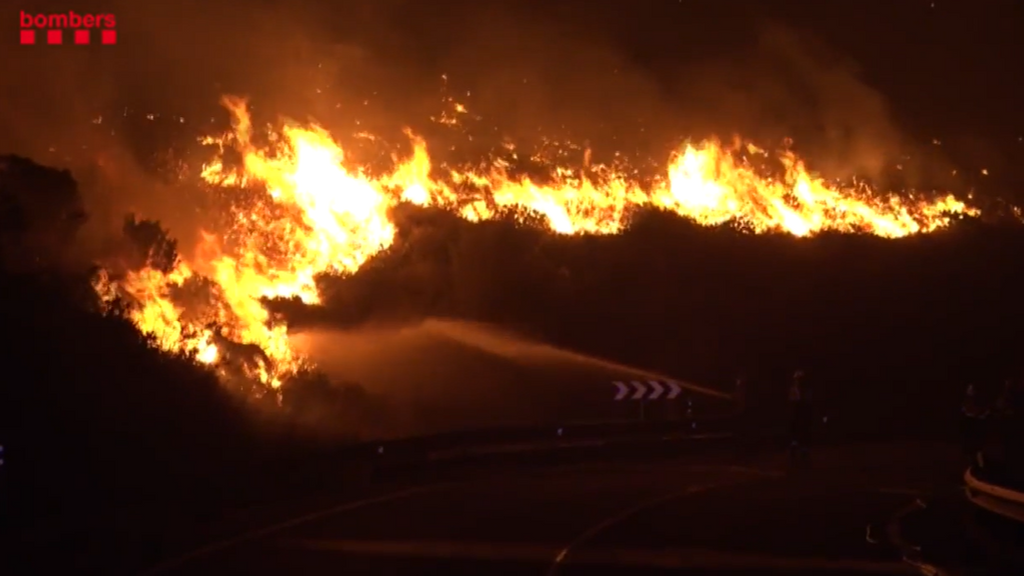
109	443
855	510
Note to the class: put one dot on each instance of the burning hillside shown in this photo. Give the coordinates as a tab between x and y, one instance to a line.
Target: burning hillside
302	209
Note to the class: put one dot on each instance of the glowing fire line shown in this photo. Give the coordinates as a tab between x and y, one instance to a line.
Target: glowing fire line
320	216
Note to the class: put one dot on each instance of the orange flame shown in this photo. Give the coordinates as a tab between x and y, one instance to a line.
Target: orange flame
317	215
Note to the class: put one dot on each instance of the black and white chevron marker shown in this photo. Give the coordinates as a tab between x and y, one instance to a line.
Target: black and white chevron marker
646	390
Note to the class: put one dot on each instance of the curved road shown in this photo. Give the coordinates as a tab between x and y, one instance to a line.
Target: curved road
845	514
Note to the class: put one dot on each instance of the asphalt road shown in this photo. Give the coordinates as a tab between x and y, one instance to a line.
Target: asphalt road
865	510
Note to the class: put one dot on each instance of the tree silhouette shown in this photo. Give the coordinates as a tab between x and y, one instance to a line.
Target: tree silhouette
891	328
152	244
40	213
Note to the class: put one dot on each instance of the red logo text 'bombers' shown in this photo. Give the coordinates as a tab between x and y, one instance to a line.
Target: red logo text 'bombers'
70	27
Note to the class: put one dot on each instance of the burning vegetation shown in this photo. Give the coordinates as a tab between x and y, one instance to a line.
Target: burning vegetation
300	209
592	259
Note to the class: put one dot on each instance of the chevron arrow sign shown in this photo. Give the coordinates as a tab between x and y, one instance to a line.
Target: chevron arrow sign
646	390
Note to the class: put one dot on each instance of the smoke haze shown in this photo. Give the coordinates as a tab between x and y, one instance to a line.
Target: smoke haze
441	375
378	66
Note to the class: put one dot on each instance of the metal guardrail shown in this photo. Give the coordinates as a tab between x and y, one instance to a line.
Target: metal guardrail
522	439
544	446
997	499
546	434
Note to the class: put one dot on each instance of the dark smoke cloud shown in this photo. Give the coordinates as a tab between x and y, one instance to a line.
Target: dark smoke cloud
533	77
758	78
791	85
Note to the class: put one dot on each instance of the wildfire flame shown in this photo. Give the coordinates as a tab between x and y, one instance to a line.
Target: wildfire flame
317	214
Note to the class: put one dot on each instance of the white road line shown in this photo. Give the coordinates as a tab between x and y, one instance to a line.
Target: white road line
702	559
260	533
674	558
563	554
435	549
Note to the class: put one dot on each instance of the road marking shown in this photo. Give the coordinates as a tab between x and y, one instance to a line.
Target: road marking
554	445
563	554
438	549
260	533
677	558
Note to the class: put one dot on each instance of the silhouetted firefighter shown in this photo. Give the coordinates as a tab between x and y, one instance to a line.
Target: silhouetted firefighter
1005	406
972	422
801	417
743	423
999	447
739	398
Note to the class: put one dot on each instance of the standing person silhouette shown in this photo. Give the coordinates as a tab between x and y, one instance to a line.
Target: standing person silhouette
739	396
743	419
800	416
972	422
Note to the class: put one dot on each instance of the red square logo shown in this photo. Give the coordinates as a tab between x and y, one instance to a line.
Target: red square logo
28	36
54	37
81	36
108	36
